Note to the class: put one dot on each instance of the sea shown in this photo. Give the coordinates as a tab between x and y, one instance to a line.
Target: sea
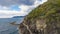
7	28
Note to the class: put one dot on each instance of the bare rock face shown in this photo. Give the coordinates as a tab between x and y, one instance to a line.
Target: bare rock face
45	19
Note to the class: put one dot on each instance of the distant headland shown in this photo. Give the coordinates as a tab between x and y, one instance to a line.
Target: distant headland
18	17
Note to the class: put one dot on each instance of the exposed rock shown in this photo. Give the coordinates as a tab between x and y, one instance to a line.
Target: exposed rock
45	19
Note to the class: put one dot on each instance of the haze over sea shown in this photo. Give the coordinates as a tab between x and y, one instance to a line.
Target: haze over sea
7	28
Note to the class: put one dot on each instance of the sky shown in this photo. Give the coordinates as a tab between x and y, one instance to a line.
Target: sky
10	8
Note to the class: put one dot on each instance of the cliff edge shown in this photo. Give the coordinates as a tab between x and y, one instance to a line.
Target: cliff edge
45	19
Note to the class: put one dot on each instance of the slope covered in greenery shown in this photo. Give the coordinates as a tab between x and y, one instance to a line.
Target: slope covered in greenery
45	9
45	19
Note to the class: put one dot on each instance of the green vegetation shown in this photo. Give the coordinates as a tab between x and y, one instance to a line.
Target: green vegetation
48	14
45	10
49	11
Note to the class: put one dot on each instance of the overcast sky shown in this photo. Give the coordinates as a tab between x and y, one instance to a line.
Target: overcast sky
10	8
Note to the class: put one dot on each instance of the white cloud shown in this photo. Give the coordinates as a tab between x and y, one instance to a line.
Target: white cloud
9	14
5	13
3	7
25	9
37	2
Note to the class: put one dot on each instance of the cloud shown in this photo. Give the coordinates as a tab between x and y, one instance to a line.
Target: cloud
5	13
12	10
16	2
3	8
9	14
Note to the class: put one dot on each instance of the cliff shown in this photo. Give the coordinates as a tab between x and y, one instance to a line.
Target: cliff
45	19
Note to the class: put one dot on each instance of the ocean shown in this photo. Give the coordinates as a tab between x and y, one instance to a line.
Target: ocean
7	28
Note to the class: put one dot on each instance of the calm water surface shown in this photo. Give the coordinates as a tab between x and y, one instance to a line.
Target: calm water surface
7	28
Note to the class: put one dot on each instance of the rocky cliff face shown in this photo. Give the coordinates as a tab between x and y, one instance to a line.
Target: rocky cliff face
45	19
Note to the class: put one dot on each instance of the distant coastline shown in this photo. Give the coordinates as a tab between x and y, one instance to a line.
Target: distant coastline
18	17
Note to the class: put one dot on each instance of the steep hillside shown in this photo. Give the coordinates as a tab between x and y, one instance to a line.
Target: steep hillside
45	19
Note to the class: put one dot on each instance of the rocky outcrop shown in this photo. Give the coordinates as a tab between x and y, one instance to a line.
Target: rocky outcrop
45	19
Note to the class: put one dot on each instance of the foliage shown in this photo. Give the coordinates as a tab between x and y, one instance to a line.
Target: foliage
49	14
44	10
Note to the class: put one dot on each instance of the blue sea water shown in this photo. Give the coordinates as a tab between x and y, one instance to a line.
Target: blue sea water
7	28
